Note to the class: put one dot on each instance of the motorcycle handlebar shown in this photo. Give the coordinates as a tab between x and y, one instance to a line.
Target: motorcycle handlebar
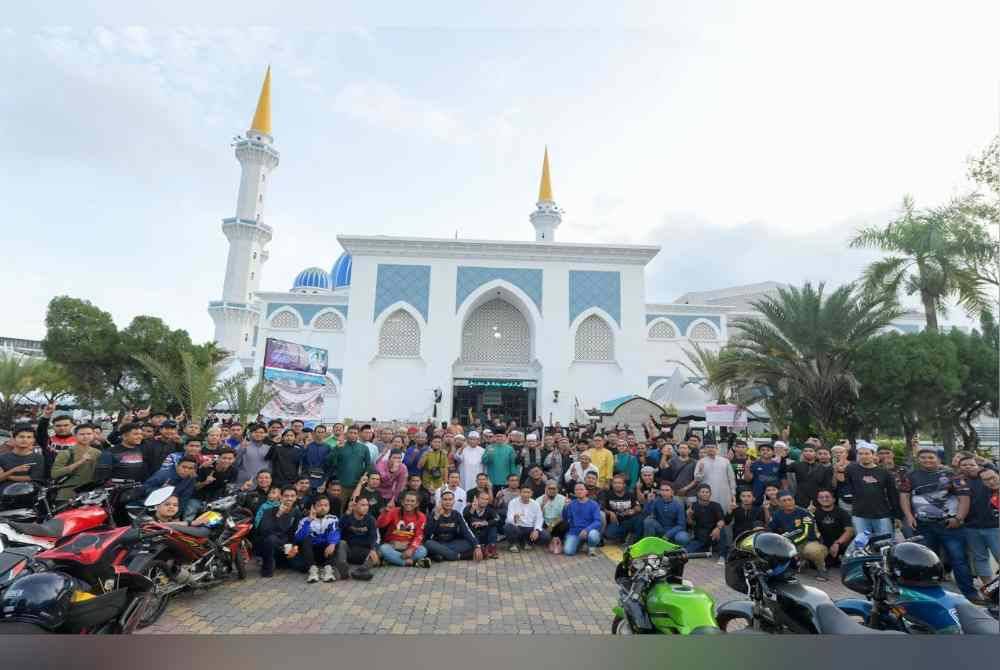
699	554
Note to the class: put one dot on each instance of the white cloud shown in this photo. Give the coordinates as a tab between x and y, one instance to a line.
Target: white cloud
379	104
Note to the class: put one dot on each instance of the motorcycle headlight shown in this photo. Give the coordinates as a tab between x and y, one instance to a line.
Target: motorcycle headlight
81	596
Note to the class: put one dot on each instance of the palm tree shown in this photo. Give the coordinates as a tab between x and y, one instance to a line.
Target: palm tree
195	385
801	347
15	383
704	366
934	253
243	401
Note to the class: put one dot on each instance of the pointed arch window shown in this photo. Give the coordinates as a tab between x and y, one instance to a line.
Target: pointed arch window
594	340
399	336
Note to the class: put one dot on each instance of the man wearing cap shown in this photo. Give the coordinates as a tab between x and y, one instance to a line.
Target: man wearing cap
874	491
469	460
531	455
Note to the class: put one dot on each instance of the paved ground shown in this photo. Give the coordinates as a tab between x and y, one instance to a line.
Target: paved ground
532	592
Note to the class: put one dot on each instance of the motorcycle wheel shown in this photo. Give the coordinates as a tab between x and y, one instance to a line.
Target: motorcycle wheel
240	561
725	624
621	627
157	573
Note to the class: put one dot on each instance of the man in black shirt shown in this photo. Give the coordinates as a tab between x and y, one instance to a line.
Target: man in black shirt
810	477
212	482
285	458
447	536
483	521
358	539
747	516
707	519
874	490
740	462
125	460
833	524
24	463
156	450
622	510
981	532
415	483
275	533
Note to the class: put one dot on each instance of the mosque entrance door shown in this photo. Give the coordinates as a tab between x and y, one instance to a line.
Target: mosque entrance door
505	399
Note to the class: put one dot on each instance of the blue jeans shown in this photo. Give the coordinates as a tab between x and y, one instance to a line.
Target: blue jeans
572	541
699	545
390	555
983	542
678	534
192	509
449	551
626	526
873	526
939	537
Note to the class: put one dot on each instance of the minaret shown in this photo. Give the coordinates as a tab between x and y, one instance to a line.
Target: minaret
235	315
547	215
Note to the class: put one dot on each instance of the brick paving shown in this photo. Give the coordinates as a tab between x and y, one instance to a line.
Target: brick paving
531	592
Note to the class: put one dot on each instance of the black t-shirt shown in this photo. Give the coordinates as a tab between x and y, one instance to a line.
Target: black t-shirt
285	461
621	504
537	487
831	523
739	467
218	487
706	517
35	459
127	463
934	493
981	513
336	505
747	519
358	532
873	488
647	492
809	478
375	502
445	528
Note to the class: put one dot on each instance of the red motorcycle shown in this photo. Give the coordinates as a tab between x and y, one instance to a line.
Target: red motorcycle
177	556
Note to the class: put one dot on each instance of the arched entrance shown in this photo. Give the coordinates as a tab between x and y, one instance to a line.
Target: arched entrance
494	375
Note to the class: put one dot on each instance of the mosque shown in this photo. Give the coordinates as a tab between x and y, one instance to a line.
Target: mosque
420	327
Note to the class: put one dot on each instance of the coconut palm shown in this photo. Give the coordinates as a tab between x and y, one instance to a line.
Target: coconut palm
243	400
195	386
15	383
934	253
704	365
801	347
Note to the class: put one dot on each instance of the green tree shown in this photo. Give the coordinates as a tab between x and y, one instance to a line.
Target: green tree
194	385
15	384
802	345
51	380
244	400
705	367
979	373
930	252
984	169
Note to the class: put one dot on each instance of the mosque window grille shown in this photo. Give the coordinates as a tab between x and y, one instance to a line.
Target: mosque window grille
399	336
497	333
328	321
285	320
662	330
703	332
594	340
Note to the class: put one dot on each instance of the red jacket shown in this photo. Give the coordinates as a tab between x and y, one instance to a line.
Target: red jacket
402	527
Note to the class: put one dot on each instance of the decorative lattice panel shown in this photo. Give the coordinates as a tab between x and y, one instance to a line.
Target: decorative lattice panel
662	330
594	340
400	335
285	320
703	331
496	332
328	321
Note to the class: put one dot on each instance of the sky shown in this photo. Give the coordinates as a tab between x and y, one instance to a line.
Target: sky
749	140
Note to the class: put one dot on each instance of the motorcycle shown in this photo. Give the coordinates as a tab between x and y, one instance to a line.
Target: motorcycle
29	501
55	601
178	556
654	597
910	608
91	510
763	566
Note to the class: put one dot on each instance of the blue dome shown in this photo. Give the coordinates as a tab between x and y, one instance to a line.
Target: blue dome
312	278
341	272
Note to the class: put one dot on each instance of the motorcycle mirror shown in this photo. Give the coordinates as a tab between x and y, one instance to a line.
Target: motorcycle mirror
158	496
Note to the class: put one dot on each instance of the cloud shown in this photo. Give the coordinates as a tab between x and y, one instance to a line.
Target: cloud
384	106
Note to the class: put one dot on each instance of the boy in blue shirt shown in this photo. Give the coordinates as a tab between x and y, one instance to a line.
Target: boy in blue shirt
317	537
584	519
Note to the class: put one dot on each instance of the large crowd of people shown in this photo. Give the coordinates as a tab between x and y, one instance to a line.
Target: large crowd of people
335	501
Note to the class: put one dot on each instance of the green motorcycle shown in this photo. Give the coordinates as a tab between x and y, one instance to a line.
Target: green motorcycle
654	597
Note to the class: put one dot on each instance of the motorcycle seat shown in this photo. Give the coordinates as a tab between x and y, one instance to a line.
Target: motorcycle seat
49	528
193	531
832	621
976	620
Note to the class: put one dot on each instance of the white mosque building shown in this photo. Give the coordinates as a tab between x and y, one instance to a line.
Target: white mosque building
414	326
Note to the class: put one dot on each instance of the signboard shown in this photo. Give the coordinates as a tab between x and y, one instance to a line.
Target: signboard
731	416
285	355
298	395
498	383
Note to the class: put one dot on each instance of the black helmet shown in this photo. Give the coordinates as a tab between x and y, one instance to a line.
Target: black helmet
42	599
776	552
19	494
912	564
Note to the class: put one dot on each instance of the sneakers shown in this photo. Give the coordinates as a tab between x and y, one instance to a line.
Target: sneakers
514	549
591	551
821	576
721	561
313	576
422	563
491	551
328	575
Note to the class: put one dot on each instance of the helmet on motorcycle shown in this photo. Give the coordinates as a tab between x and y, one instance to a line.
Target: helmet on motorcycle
912	564
209	519
42	599
776	553
19	494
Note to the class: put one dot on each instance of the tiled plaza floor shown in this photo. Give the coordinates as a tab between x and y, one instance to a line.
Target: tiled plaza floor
531	592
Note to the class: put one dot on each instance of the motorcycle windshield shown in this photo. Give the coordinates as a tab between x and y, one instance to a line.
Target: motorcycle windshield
652	545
